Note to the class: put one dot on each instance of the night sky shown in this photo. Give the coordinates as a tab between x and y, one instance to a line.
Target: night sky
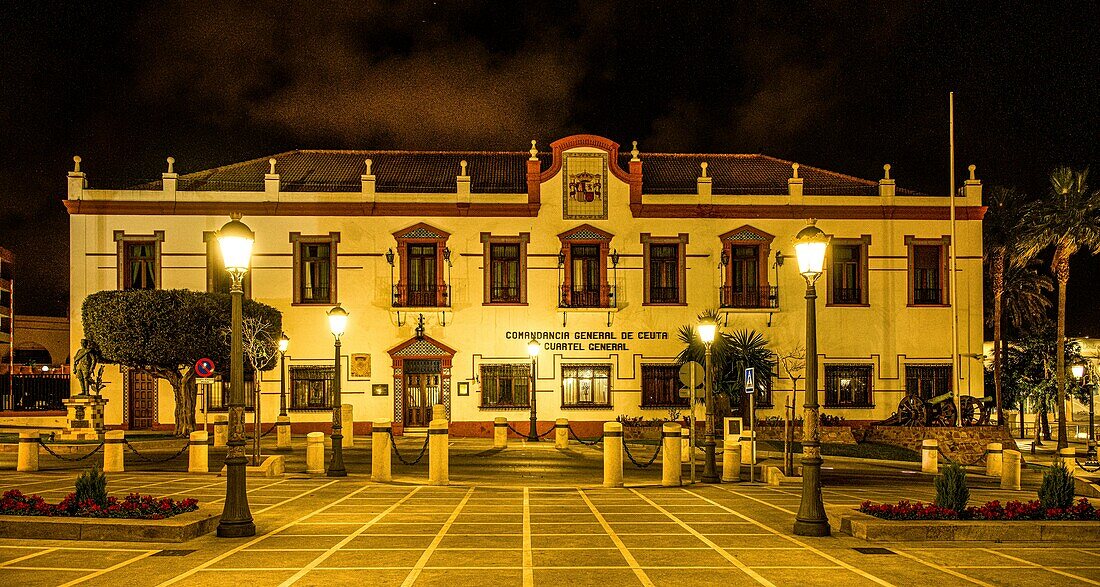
839	85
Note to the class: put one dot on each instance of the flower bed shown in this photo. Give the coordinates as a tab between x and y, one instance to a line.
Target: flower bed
133	506
1083	510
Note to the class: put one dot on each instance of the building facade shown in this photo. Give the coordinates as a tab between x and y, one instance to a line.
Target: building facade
451	262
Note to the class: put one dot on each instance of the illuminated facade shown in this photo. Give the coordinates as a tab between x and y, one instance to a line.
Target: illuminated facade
450	262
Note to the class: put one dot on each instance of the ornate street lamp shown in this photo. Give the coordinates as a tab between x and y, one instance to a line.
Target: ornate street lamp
284	344
1079	373
809	246
533	347
235	240
337	323
707	329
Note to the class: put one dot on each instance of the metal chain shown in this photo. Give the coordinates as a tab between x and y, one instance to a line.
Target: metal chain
269	431
547	433
134	450
1083	467
423	449
70	459
582	441
626	447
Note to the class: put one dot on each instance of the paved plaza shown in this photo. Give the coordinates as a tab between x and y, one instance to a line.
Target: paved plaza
508	528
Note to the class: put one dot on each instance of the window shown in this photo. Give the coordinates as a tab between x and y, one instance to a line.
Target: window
927	271
505	259
311	387
218	399
848	386
423	253
315	268
745	260
927	381
661	387
583	268
505	386
586	386
847	271
138	260
664	269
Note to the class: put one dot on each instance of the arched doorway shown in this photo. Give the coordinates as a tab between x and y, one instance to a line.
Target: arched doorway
421	379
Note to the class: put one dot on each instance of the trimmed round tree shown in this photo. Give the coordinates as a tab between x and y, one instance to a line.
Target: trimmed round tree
166	331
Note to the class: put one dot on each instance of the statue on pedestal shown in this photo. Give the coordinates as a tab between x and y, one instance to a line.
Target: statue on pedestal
84	368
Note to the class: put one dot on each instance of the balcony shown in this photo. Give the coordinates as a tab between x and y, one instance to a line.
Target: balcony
504	294
928	296
664	295
422	296
765	297
602	296
847	295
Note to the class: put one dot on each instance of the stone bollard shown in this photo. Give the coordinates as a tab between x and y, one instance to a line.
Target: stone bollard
221	431
438	473
113	461
731	459
671	467
1069	457
747	454
1010	471
500	432
685	445
347	420
993	459
315	452
439	412
930	456
561	433
612	454
198	452
28	451
380	455
282	434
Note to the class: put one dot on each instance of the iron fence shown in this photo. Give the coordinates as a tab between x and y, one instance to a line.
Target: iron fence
34	392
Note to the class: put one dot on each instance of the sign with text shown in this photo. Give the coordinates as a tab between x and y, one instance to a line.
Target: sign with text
586	340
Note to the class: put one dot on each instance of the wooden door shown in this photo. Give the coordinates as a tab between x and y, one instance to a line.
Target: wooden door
141	396
585	277
422	279
745	290
422	391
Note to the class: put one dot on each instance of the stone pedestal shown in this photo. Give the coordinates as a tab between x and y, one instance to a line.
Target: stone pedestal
84	420
347	420
282	431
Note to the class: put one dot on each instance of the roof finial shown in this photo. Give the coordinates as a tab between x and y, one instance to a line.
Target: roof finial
794	168
972	168
463	165
368	162
704	166
271	162
886	168
534	151
76	162
171	164
634	152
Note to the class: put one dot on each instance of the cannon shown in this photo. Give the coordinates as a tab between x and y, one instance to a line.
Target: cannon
940	411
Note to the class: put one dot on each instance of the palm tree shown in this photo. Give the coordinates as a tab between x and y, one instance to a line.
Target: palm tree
731	354
999	232
1067	219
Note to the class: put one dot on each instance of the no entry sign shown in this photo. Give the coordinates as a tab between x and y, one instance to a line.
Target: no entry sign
204	367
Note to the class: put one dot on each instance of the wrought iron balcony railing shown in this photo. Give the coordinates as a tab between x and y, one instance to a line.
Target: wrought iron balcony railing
602	296
504	294
750	297
422	296
928	295
664	295
847	295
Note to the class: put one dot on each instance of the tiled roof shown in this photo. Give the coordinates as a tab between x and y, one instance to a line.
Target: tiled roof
505	172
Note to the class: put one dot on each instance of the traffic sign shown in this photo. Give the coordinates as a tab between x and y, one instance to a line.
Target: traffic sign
750	379
204	367
686	374
205	380
685	392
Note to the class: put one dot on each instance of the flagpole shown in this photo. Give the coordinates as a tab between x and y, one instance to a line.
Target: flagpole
953	280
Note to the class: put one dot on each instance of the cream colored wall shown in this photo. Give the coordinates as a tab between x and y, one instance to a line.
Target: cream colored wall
887	334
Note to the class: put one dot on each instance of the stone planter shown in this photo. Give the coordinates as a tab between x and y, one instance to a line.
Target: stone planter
872	529
966	444
179	528
829	434
641	432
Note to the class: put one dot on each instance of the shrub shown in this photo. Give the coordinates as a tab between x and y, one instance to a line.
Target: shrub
951	490
1057	489
92	485
994	510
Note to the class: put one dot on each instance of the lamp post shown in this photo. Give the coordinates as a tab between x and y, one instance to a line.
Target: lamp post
284	344
1079	373
809	246
707	329
533	347
235	240
337	323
